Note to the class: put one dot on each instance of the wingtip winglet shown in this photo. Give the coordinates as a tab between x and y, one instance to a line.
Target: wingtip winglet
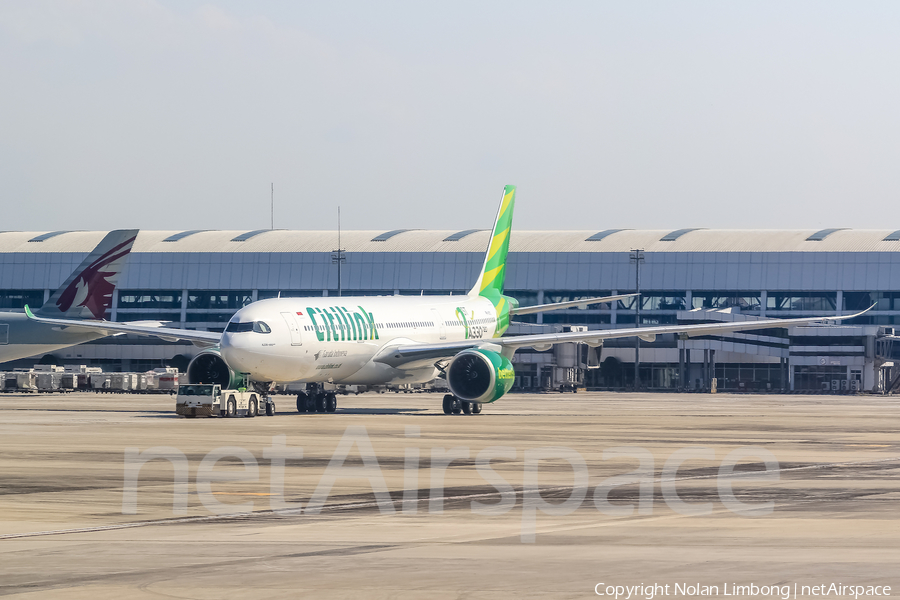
28	313
860	313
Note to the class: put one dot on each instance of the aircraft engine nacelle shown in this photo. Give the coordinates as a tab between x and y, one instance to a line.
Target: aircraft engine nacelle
480	375
210	367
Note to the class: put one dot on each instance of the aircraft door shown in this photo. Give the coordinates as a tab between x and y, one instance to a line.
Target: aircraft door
442	328
291	320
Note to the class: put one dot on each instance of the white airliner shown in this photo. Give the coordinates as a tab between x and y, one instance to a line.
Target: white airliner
395	339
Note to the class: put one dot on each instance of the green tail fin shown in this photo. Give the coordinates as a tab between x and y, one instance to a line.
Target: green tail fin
493	272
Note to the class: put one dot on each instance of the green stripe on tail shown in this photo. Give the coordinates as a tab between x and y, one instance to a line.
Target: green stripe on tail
493	272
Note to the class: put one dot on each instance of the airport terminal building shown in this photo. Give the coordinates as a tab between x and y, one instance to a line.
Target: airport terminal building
198	279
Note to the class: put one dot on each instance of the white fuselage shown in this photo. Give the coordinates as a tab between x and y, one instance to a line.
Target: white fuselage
333	339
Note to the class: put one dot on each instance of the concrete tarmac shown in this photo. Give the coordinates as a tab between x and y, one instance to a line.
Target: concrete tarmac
393	499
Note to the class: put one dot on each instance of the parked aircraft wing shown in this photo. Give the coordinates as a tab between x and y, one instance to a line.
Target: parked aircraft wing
170	334
397	356
542	339
584	303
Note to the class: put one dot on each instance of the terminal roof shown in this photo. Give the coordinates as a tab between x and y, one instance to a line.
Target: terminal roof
821	235
47	236
460	235
278	241
175	237
246	236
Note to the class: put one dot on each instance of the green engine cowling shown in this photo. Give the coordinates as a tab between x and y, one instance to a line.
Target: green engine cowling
209	367
482	376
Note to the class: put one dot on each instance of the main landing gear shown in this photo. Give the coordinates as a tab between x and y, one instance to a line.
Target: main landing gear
454	406
316	400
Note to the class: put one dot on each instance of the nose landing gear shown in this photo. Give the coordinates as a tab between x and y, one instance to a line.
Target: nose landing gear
453	406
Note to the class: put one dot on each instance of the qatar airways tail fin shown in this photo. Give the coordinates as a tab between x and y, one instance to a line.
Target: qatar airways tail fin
87	293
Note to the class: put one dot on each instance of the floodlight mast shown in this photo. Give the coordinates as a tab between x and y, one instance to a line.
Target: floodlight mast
338	256
637	257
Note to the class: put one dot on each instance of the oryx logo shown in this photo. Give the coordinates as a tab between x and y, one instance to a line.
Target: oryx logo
91	288
461	315
318	354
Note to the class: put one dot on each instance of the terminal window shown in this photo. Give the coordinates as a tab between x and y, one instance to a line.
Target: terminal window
807	301
149	299
717	300
863	300
554	296
19	298
662	301
219	299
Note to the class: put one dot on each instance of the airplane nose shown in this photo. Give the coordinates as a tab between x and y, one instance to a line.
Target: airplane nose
257	348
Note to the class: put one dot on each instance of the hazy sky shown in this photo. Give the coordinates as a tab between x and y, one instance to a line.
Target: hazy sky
178	115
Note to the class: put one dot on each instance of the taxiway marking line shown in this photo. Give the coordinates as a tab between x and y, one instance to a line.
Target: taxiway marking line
370	504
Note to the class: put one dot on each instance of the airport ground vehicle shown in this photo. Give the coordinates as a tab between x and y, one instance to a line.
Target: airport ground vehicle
210	400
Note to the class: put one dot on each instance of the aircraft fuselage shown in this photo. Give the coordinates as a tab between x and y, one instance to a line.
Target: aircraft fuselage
334	339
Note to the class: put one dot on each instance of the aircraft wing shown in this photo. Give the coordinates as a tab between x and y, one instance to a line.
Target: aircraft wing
170	334
527	310
397	356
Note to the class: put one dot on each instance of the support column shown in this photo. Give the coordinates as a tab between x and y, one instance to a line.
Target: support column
613	308
706	368
763	299
839	302
681	382
781	374
184	305
689	384
540	300
785	375
114	308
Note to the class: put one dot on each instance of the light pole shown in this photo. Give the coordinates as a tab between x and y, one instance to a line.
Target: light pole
338	256
637	257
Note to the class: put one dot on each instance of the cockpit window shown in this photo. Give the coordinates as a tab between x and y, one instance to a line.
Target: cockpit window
257	326
235	327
